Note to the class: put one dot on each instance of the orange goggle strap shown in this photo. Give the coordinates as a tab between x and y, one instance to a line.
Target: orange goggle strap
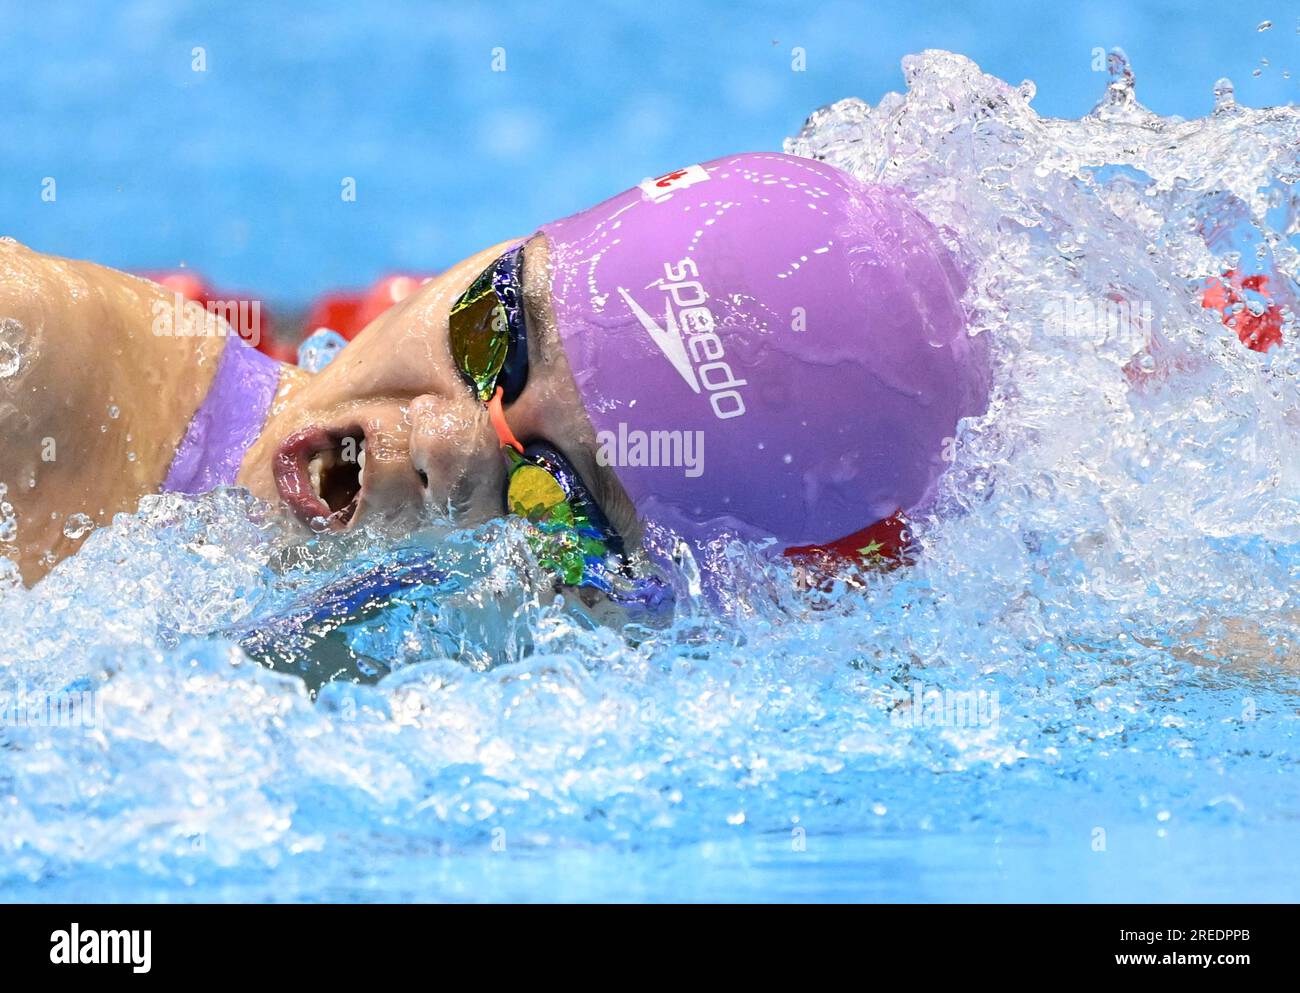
497	415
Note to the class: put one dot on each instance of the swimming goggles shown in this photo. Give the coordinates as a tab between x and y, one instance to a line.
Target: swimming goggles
489	344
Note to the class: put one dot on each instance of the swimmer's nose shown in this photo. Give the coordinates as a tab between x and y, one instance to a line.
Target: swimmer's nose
455	458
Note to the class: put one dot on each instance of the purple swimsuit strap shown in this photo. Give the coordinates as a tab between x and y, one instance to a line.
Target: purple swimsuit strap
227	422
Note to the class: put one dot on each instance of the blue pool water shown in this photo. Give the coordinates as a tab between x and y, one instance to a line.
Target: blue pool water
235	169
1085	689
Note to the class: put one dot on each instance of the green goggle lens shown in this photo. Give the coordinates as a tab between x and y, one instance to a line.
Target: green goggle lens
480	335
486	325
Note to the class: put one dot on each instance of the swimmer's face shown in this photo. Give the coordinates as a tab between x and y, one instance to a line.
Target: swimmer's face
430	451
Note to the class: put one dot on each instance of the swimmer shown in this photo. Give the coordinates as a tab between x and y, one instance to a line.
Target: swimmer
759	347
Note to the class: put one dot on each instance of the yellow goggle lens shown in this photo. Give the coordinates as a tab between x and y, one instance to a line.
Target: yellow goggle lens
534	493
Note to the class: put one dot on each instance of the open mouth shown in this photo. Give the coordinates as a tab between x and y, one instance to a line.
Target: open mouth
321	475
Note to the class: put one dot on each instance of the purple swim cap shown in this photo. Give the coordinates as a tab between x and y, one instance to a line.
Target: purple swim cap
766	347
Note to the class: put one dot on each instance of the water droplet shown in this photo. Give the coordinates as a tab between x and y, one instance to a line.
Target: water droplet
1117	65
787	458
8	519
1264	25
77	526
13	347
319	349
130	456
690	569
1225	96
113	411
1120	100
10	577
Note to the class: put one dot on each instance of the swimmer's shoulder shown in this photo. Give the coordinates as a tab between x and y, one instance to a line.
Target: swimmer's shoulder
37	293
78	340
52	314
76	324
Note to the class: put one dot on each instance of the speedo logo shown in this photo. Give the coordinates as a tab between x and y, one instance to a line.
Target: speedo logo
699	358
